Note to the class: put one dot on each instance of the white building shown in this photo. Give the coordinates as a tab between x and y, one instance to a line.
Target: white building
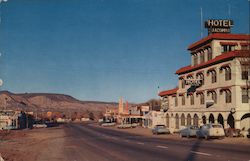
153	118
220	62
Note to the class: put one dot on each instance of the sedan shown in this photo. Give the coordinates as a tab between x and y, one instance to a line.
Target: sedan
189	131
211	131
160	129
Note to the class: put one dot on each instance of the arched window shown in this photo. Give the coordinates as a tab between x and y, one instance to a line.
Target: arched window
196	119
214	76
209	54
182	83
211	118
195	59
202	99
202	58
214	96
220	120
201	77
177	121
192	99
227	73
230	120
183	100
182	119
167	120
228	96
176	101
188	119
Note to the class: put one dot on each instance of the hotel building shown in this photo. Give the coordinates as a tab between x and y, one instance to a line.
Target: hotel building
214	87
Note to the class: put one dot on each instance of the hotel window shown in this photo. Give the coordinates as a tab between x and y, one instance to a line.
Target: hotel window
226	48
182	83
192	99
183	100
200	76
195	59
209	54
202	58
244	94
244	47
214	95
244	72
214	77
176	101
227	73
228	96
202	99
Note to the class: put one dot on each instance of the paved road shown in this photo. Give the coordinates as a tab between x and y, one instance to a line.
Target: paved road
91	143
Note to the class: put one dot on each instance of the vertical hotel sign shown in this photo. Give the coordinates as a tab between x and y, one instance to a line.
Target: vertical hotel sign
218	26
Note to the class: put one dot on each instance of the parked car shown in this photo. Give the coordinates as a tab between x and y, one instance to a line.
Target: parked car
189	131
211	131
106	124
124	126
232	132
39	125
160	129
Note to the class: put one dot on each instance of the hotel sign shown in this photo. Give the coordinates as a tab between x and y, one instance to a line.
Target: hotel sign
219	26
193	82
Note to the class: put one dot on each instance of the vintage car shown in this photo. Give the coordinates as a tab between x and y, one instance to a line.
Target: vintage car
211	131
160	129
189	131
124	126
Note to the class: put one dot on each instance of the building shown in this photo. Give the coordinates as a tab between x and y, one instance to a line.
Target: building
153	118
214	87
8	119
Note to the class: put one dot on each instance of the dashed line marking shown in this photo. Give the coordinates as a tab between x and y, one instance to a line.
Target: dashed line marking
160	146
201	153
114	138
140	143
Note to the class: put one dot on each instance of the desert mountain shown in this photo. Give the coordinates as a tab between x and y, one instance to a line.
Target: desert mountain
49	101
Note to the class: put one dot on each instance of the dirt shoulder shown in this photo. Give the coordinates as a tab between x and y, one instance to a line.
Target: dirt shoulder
147	132
30	145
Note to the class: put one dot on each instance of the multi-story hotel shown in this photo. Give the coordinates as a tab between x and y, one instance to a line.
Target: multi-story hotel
214	88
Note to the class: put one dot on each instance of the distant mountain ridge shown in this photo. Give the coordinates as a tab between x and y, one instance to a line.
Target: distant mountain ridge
49	101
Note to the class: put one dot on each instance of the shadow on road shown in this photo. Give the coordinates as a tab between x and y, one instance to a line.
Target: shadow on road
195	147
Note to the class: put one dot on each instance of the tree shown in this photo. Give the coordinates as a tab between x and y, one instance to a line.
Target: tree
91	116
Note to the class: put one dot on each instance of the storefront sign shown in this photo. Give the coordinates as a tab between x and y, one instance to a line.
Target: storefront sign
219	26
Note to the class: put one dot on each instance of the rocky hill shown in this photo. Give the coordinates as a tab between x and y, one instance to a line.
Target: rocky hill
48	101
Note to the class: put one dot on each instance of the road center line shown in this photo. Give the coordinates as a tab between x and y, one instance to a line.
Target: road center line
160	146
140	143
196	152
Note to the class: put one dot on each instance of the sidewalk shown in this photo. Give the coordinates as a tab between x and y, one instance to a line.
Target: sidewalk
147	132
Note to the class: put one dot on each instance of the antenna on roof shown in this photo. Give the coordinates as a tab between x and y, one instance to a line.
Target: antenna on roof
229	11
201	23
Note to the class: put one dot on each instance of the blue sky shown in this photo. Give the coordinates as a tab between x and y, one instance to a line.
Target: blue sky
103	49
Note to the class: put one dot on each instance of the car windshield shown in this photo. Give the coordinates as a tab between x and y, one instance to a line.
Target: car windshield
216	126
194	127
160	126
